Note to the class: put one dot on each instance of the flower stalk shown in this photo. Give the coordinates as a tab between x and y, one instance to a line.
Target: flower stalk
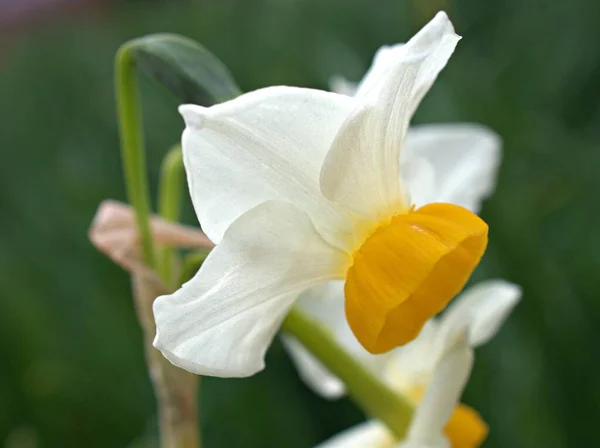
374	397
175	389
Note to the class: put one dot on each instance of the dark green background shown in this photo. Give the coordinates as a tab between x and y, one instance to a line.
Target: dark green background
71	365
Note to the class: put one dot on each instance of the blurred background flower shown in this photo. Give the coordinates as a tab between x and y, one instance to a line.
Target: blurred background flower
72	370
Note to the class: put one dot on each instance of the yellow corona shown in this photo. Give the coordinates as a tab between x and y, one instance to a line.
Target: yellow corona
408	270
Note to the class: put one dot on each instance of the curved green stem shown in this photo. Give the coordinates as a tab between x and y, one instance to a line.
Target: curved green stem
132	145
175	389
169	205
374	397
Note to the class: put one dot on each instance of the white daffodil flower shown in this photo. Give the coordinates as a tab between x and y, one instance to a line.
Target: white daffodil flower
298	186
429	426
429	364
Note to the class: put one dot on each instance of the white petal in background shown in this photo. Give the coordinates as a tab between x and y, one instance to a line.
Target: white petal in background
312	372
418	179
412	364
483	308
265	145
384	61
439	442
339	84
451	374
443	394
464	158
362	169
371	434
223	320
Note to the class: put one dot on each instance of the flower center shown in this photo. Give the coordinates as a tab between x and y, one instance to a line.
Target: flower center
408	270
465	428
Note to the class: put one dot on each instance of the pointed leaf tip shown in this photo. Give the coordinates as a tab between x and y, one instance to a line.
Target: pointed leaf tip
186	68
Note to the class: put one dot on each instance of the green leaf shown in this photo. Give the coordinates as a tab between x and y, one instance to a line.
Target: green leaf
185	67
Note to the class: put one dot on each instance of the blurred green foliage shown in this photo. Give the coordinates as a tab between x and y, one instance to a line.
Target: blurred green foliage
72	370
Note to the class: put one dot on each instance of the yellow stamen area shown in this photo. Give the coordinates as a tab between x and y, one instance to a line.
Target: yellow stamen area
408	270
465	427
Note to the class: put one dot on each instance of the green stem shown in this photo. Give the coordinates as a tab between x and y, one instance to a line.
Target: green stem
171	182
169	205
374	397
132	145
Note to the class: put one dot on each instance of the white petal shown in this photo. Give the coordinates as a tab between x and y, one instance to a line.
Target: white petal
402	74
312	372
264	145
339	84
362	170
371	434
384	61
483	308
439	442
325	303
222	321
411	365
419	180
465	159
443	394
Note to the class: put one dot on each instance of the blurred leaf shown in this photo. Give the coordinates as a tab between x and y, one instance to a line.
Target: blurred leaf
185	67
